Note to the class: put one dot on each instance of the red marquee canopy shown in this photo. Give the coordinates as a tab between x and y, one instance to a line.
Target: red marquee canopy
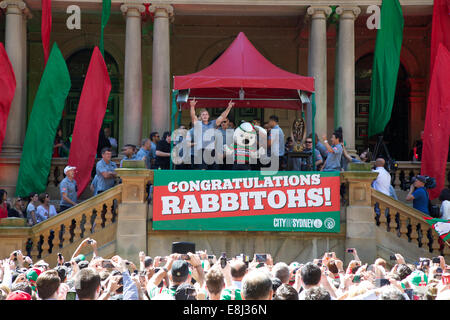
241	66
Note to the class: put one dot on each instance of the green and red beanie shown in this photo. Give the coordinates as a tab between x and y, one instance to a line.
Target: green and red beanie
32	276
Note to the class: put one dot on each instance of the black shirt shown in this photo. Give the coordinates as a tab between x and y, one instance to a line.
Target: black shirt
163	162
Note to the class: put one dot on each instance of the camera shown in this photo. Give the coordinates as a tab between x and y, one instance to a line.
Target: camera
430	183
223	260
190	291
89	241
185	257
261	257
107	264
436	260
210	256
392	258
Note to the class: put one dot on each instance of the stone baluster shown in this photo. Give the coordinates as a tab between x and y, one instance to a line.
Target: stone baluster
414	234
45	245
403	226
77	230
35	249
88	224
98	218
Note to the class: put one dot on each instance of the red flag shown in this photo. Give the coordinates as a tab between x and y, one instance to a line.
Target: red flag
437	122
90	113
440	29
7	89
46	26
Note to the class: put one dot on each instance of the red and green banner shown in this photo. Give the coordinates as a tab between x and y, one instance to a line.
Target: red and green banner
246	201
7	90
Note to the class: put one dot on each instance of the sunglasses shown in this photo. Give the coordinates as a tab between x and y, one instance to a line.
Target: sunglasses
308	141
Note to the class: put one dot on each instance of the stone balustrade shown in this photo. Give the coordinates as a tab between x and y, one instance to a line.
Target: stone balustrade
407	169
406	222
63	232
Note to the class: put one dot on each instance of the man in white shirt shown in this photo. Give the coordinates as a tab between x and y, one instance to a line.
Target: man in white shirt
383	181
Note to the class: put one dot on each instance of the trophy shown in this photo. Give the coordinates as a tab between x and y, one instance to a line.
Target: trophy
299	134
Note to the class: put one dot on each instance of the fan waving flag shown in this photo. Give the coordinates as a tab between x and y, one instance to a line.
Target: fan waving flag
90	114
441	226
385	65
7	89
44	120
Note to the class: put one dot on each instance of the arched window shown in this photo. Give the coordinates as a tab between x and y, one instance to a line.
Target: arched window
78	64
396	133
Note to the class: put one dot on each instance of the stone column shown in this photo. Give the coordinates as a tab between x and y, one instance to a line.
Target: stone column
15	45
161	68
345	80
360	222
317	66
132	97
131	234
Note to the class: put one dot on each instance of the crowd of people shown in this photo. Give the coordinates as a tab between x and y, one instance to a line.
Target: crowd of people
204	276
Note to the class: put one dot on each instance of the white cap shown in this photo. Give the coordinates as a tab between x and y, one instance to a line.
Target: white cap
68	168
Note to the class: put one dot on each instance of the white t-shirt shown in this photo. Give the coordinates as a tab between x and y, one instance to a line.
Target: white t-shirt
445	210
42	214
383	181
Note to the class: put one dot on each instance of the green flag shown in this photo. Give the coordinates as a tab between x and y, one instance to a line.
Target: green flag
386	63
44	120
106	12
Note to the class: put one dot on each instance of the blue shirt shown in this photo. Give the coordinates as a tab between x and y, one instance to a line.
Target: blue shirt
322	149
420	201
94	184
153	151
207	135
144	153
102	183
69	187
333	162
280	147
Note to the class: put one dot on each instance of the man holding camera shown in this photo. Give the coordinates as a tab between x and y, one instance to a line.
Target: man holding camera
418	194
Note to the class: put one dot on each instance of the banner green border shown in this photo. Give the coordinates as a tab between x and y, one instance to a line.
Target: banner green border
251	223
163	177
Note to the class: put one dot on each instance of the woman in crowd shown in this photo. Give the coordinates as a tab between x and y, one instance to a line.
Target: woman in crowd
45	209
444	197
17	211
33	203
3	205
